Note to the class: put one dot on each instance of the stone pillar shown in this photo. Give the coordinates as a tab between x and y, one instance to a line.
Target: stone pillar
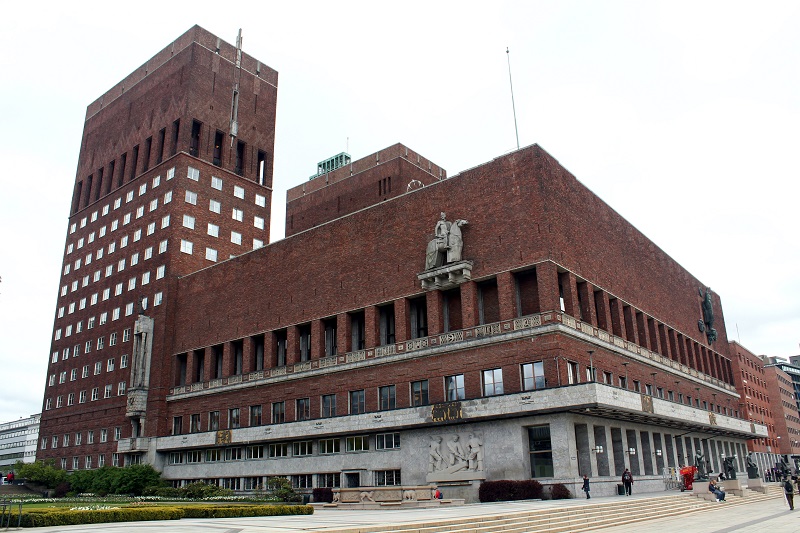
507	296
469	304
371	326
344	333
401	320
433	302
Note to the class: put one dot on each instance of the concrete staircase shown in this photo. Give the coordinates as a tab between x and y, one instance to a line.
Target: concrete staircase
563	519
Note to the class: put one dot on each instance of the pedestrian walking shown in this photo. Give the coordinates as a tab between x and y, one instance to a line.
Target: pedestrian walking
627	481
585	487
788	492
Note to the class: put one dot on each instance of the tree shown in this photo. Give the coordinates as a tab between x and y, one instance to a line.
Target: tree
41	472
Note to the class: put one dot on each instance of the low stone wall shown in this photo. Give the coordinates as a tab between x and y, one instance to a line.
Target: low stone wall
401	493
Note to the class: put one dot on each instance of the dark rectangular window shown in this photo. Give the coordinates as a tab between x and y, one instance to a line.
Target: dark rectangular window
199	365
533	376
233	418
357	330
387	397
134	162
194	142
194	423
541	451
488	302
357	402
255	415
180	377
280	347
123	161
219	138
176	127
454	387
330	336
386	324
258	352
111	167
98	189
303	409
527	292
213	421
177	425
305	342
328	405
240	150
148	145
278	412
419	393
419	318
162	137
238	351
76	198
216	361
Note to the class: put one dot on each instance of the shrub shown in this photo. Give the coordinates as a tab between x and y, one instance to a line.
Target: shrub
41	473
234	511
560	492
281	488
508	490
323	495
199	490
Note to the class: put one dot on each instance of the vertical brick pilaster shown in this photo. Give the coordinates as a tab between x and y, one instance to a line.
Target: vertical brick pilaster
371	326
292	345
469	304
344	337
227	360
547	283
433	303
401	321
248	355
602	308
507	295
317	339
270	351
570	289
617	318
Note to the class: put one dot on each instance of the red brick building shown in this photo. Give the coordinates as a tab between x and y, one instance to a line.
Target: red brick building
503	322
782	393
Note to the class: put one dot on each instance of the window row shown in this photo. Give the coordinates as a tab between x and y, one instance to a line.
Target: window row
108	392
106	294
76	439
115	315
380	478
98	369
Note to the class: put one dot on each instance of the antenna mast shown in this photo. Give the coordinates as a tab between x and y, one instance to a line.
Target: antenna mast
513	107
235	98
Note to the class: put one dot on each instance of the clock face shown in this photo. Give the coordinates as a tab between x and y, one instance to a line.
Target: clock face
414	184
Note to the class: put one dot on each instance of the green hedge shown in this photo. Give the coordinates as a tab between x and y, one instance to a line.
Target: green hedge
58	517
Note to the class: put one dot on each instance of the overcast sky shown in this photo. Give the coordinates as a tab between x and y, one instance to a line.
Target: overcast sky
683	116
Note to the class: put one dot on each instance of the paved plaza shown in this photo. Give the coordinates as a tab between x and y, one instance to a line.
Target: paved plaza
771	516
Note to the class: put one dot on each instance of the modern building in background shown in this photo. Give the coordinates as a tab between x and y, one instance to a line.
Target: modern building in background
413	328
18	442
783	383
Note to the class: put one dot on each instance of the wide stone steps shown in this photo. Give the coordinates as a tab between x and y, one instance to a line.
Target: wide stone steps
569	519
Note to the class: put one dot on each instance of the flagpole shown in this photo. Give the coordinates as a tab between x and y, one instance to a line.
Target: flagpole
513	107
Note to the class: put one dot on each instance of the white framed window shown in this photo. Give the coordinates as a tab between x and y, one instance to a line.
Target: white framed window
71	308
191	197
58	334
117	203
82	305
148	252
129	307
162	246
91	238
157	298
211	254
96	394
94	216
104	435
107	391
98	367
146	278
63	290
126	335
164	221
73	374
238	192
236	237
60	312
257	243
93	301
90	323
188	221
83	222
153	204
105	210
121	265
97	275
213	230
123	361
140	211
193	174
88	346
170	173
142	188
80	243
156	181
78	263
160	271
151	228
126	219
115	314
131	284
186	246
167	197
99	254
71	401
123	242
85	281
69	248
114	225
216	183
103	318
59	402
67	268
129	197
261	200
137	235
106	295
74	286
237	214
88	259
112	247
109	270
54	358
102	232
72	228
214	206
121	388
135	259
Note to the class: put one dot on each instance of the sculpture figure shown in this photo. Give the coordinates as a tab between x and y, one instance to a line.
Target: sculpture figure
730	469
475	457
707	324
447	243
700	463
457	454
435	459
752	468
